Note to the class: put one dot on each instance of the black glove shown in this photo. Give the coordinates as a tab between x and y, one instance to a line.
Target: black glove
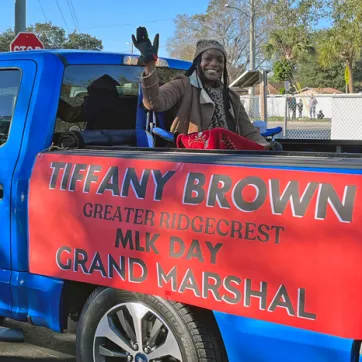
274	146
143	44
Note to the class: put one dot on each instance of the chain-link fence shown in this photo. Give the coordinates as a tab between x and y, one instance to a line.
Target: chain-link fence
337	116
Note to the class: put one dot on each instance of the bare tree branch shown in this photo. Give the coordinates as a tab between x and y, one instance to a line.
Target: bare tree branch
229	26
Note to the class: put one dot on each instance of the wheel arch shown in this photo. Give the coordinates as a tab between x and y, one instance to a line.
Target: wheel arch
76	294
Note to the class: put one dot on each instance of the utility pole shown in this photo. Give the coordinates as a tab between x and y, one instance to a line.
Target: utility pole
20	16
252	35
253	106
251	16
252	55
131	44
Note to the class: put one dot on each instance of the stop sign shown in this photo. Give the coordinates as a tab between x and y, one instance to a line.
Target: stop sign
26	41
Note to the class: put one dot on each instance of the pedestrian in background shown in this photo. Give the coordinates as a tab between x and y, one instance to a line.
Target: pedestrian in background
312	107
300	108
292	105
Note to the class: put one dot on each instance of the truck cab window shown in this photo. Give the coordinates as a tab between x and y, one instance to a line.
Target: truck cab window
9	87
101	96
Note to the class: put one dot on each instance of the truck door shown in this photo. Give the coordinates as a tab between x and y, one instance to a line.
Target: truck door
16	84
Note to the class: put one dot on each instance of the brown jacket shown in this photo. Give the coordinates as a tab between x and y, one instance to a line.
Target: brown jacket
191	107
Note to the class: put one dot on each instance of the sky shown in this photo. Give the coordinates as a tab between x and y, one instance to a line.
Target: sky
112	21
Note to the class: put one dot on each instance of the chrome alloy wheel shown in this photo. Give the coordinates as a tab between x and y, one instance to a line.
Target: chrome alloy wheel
132	332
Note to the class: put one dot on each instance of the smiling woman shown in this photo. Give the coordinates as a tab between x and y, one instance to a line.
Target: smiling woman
199	100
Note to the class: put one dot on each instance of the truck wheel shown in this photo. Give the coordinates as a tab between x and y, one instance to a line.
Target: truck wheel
116	325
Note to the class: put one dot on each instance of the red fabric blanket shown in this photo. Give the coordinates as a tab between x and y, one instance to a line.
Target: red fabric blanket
216	139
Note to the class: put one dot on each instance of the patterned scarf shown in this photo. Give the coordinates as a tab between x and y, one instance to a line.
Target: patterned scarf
219	116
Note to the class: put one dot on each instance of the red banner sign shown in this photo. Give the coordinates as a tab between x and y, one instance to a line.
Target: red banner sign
278	245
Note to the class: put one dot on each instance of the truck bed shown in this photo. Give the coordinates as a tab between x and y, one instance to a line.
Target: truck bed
320	145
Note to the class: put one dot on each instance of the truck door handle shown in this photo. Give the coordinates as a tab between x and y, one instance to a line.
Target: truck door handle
1	191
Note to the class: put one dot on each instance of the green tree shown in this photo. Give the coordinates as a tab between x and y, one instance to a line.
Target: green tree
5	40
343	41
310	73
290	39
357	75
283	70
82	41
54	37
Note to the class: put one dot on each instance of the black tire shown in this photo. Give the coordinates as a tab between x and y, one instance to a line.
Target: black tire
195	329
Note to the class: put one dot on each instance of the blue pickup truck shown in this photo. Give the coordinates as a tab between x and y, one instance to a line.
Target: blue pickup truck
33	86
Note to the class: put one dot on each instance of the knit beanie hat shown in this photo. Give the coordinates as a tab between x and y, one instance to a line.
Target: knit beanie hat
203	45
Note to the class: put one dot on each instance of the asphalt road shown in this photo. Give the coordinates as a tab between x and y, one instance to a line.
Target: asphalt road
41	345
